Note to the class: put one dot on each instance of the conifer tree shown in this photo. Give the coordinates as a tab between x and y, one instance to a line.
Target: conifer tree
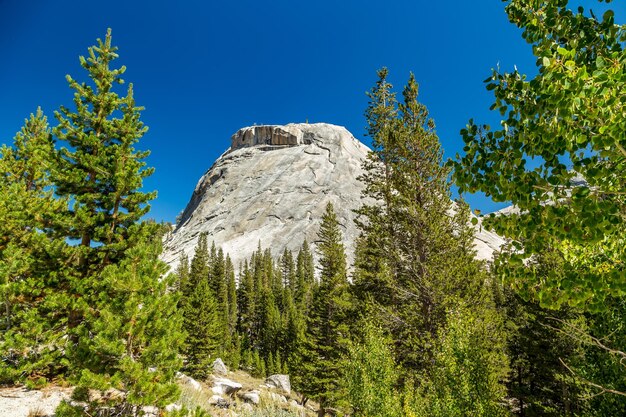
119	315
318	367
231	288
305	277
415	264
415	259
288	270
182	272
246	304
134	336
199	267
31	258
203	327
218	284
270	328
201	314
99	168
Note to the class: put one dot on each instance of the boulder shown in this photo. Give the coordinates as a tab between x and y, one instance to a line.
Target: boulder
280	382
150	411
189	381
252	397
219	367
223	386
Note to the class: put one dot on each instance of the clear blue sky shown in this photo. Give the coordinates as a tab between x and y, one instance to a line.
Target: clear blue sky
204	69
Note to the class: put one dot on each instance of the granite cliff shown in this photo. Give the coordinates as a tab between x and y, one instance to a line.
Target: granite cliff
272	185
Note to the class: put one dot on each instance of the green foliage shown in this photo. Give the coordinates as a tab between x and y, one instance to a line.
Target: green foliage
132	338
99	169
602	366
100	313
564	124
31	343
467	370
415	259
201	315
370	376
317	364
538	383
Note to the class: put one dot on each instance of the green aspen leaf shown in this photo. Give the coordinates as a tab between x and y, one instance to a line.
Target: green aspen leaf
546	61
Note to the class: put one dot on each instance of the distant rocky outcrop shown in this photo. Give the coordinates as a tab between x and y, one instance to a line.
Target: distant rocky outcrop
271	187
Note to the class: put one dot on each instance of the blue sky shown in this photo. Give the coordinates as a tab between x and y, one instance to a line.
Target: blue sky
204	69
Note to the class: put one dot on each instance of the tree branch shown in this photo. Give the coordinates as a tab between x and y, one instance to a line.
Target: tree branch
603	390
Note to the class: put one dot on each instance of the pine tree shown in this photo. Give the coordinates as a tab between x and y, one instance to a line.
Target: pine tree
31	258
99	169
114	318
246	304
182	272
288	270
318	368
201	314
203	327
415	259
134	336
199	268
305	278
231	289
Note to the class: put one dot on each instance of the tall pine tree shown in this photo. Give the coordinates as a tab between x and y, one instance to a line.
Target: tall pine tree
120	316
99	168
201	319
318	369
415	259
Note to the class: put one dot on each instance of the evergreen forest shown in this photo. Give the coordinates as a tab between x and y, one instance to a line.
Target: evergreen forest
416	326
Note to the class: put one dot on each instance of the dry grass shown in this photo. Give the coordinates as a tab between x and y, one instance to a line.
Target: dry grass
267	407
36	412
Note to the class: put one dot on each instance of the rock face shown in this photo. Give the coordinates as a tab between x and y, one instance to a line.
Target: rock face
280	382
272	186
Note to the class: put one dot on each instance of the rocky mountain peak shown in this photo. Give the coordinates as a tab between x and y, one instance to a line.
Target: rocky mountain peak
272	186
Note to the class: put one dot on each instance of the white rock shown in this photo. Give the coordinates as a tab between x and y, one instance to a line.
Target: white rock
215	399
252	397
223	386
219	367
187	380
277	193
21	402
280	382
150	411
